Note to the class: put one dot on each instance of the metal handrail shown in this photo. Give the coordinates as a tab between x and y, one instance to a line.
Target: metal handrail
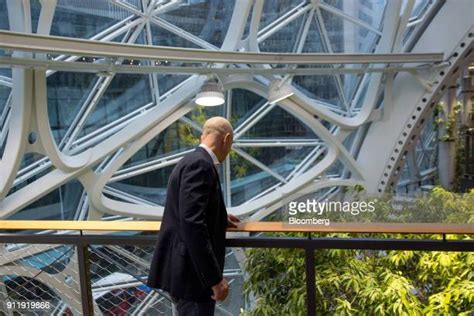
248	226
85	238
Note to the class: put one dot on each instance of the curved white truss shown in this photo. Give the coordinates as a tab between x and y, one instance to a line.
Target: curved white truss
369	141
97	159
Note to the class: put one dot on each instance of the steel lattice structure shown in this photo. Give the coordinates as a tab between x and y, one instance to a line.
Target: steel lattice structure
90	129
372	106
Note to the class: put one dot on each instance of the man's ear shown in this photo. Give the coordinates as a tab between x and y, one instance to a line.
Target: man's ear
228	138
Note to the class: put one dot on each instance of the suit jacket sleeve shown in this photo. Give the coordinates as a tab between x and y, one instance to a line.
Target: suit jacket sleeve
195	189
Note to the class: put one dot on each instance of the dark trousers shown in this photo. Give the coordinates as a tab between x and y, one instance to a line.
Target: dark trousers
191	308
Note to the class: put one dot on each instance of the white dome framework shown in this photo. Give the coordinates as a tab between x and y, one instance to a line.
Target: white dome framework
97	105
94	111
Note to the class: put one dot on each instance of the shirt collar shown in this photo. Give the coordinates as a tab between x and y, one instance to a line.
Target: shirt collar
211	153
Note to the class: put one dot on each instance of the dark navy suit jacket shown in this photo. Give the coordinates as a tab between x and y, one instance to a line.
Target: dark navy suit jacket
190	250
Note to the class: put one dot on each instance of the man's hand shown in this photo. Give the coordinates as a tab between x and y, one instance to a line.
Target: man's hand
232	220
220	290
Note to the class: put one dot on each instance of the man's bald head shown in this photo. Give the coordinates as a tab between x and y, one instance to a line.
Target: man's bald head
217	124
218	134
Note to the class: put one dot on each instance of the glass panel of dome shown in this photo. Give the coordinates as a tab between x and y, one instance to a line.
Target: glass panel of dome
162	37
319	155
334	27
426	147
168	82
273	9
273	124
150	186
314	42
244	103
321	87
420	7
33	167
335	169
7	72
35	13
348	141
206	19
324	87
66	92
4	23
136	4
367	11
284	39
405	174
175	139
4	95
60	204
347	37
125	93
350	84
419	10
281	159
84	19
278	123
119	38
30	158
362	91
247	180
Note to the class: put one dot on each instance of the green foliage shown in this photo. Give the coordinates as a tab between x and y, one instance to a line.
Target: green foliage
187	135
240	165
450	129
449	120
439	206
283	291
367	282
186	132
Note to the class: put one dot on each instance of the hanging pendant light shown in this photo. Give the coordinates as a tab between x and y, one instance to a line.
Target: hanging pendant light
211	93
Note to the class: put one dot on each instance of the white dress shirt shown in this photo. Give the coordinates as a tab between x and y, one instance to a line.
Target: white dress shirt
211	153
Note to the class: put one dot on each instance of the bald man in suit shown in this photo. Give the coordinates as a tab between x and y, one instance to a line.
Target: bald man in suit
188	261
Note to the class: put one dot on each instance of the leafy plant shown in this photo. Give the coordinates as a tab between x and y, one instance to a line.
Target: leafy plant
366	282
449	121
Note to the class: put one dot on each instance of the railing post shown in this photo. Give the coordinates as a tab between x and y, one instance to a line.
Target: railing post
84	278
310	282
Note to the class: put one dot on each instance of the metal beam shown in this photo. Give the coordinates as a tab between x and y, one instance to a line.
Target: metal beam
182	33
259	164
148	166
276	142
58	45
114	68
